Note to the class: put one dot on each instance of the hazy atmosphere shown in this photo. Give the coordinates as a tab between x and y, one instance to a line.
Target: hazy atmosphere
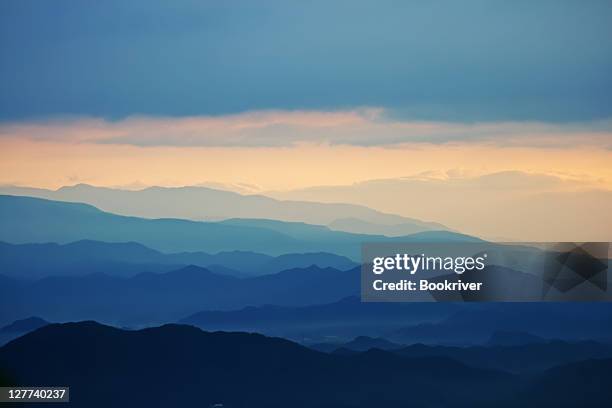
511	120
306	204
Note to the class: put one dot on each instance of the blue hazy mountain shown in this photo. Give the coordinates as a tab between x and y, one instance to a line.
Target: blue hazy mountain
149	298
28	220
446	323
19	328
359	344
188	367
400	227
567	321
513	338
203	203
339	320
517	359
33	261
24	325
288	261
524	358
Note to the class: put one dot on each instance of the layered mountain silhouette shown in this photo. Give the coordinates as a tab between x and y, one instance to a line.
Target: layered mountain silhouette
34	220
339	321
446	323
568	321
34	261
358	344
182	366
161	297
176	365
293	276
513	338
203	203
517	359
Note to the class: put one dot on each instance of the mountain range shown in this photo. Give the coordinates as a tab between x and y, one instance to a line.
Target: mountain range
358	344
125	259
34	220
149	298
439	323
572	321
334	321
204	203
188	367
517	359
524	358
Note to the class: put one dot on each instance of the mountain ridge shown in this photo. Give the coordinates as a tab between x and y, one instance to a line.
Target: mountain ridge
187	366
204	203
28	220
34	261
149	298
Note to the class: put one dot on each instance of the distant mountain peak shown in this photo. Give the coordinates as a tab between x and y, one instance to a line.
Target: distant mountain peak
24	325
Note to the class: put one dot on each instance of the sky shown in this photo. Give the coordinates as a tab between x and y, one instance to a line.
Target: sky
294	98
436	60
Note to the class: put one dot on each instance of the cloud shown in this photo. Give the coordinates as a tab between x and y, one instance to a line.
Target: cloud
472	60
356	127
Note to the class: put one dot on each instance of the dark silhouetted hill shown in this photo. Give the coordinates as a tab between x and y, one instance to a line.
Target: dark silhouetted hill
178	365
